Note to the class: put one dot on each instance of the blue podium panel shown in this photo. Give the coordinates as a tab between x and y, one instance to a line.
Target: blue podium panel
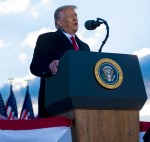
97	81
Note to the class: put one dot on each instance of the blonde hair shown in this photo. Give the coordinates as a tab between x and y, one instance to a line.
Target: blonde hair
58	10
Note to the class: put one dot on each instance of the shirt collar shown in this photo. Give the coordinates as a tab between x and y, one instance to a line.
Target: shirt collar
68	35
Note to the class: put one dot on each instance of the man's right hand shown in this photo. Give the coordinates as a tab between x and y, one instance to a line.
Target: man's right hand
53	66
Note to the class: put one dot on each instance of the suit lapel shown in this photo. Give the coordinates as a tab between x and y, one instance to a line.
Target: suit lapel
79	43
64	40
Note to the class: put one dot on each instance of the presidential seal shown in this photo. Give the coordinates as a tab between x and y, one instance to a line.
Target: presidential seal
108	73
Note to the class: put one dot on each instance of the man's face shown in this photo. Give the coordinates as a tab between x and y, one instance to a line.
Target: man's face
68	21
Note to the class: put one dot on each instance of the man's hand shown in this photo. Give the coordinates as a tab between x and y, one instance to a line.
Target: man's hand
53	66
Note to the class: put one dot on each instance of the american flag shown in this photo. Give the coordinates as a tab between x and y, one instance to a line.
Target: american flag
27	109
3	114
11	106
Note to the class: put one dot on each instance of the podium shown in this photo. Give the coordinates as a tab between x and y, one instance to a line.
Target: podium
101	93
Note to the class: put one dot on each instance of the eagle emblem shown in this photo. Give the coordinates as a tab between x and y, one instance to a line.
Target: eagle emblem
108	73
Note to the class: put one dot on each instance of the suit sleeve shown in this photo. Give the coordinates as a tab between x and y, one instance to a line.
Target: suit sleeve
40	62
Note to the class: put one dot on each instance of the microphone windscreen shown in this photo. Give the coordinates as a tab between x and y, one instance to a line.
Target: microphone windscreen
89	25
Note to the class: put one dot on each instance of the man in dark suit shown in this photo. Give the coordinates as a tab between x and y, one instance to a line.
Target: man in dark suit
146	137
51	46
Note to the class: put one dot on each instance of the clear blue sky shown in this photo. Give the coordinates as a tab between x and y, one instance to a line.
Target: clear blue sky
21	21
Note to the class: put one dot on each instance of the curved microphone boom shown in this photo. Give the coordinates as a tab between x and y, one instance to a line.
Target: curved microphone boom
92	25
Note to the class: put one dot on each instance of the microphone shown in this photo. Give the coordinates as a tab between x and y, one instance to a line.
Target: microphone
92	25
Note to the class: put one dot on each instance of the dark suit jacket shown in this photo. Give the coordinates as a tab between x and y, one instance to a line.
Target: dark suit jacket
146	137
50	46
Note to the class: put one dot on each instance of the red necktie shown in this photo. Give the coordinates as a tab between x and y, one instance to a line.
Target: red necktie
74	43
